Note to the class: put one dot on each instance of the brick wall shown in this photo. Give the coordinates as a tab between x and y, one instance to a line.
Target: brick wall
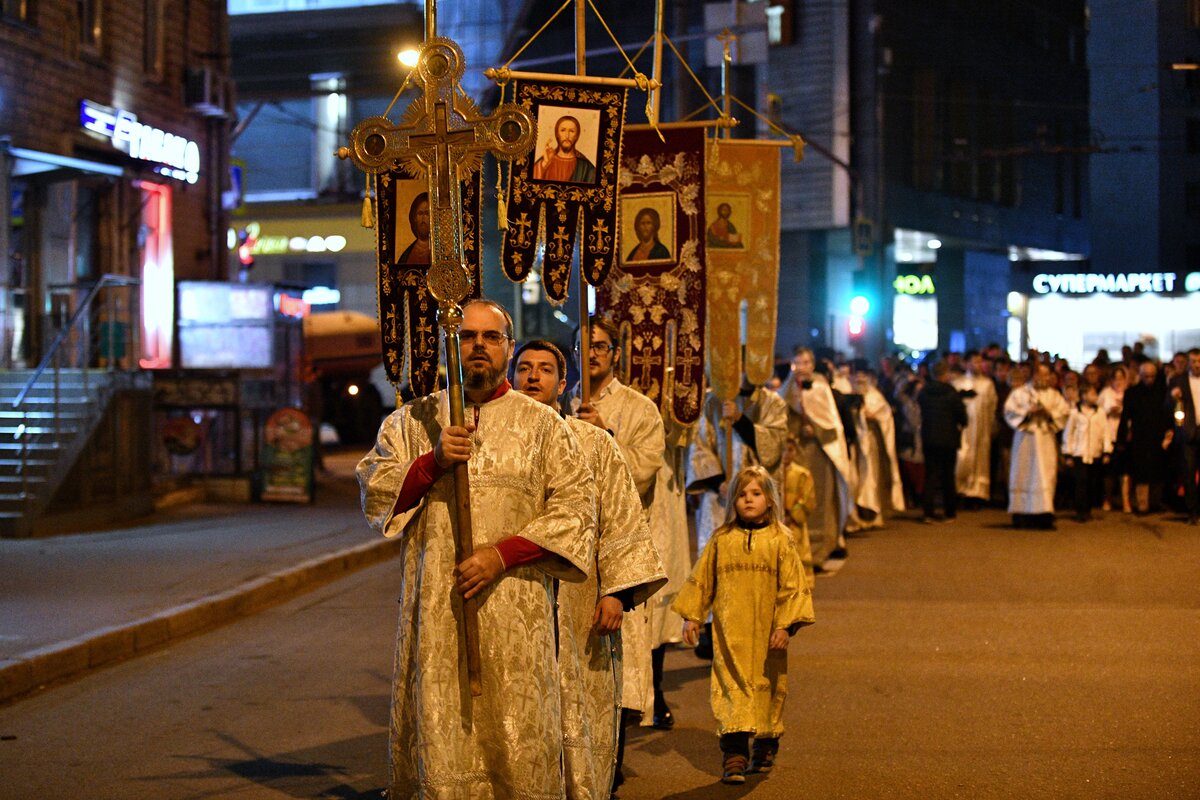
45	73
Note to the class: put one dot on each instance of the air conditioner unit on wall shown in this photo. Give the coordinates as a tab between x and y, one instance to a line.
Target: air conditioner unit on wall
207	91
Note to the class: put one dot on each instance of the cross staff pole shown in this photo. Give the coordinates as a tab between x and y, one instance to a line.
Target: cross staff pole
585	330
442	137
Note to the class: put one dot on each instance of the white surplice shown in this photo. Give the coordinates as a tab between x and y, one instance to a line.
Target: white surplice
1033	474
879	486
974	468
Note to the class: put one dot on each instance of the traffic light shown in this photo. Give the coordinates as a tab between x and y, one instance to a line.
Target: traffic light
856	327
246	241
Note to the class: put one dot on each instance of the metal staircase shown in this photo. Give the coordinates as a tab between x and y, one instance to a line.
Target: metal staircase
48	414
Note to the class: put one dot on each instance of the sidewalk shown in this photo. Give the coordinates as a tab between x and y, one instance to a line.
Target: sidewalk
72	603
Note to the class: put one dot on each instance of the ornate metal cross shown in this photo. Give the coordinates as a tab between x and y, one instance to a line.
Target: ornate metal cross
442	137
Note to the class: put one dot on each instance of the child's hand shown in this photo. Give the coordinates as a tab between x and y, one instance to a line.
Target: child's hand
779	639
691	633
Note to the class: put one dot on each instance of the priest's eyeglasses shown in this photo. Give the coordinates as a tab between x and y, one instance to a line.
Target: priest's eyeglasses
597	348
492	338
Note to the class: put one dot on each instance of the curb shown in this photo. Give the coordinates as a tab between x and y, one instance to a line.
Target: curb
36	669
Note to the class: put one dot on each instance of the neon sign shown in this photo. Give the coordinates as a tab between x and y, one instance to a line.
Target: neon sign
913	284
176	156
1096	283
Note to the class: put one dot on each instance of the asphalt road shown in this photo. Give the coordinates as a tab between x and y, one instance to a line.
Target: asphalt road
948	661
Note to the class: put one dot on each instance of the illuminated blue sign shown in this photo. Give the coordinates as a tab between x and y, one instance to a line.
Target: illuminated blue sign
176	156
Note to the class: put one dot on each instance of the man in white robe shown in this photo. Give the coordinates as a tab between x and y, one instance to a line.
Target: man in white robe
533	518
1036	412
821	447
974	469
655	454
880	491
754	425
625	573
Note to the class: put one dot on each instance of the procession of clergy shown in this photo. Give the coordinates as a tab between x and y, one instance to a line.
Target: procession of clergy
580	516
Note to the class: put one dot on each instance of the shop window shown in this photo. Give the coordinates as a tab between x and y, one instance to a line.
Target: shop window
19	10
90	16
153	45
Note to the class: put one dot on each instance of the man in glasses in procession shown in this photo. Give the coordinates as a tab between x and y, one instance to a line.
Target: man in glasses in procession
533	504
637	425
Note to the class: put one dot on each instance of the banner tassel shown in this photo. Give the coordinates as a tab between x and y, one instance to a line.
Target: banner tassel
368	212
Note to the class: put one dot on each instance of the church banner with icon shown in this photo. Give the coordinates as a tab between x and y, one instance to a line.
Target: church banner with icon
407	310
741	202
655	293
571	177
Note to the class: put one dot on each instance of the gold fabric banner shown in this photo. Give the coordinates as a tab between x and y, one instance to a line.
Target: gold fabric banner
655	293
741	203
407	311
572	174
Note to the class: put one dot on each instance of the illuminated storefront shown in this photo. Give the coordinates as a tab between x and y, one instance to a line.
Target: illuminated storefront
915	313
1076	314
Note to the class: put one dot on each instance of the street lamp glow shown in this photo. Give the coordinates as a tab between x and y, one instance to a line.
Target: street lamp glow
859	306
408	57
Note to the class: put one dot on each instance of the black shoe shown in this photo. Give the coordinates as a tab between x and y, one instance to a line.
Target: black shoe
763	761
838	552
664	721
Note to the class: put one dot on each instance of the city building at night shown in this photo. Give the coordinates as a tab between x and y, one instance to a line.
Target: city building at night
1140	279
113	147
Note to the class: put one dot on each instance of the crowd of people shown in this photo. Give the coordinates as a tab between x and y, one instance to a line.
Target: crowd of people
1040	436
603	535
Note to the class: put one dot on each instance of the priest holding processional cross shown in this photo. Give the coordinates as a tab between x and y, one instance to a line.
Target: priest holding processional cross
475	648
477	445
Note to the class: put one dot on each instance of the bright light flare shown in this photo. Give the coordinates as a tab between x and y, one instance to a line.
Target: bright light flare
408	57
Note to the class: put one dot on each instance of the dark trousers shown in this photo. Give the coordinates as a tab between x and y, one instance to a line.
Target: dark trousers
736	744
939	475
628	717
1089	486
1191	462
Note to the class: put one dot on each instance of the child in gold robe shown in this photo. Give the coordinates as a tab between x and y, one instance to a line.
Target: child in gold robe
750	577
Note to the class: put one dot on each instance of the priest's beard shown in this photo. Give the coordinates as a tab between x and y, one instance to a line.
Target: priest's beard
479	378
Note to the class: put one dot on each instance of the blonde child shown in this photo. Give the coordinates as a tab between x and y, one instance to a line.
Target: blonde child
800	499
750	577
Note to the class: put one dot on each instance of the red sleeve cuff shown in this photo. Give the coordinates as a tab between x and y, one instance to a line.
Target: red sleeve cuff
517	550
421	475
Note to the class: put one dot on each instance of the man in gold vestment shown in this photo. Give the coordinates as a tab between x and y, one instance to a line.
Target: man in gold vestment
533	512
625	573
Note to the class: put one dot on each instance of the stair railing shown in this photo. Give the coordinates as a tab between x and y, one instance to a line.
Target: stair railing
114	343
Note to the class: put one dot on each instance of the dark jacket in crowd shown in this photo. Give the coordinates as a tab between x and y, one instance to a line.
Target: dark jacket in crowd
943	415
1144	423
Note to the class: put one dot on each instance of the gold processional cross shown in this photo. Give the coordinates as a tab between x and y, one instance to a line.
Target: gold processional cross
442	137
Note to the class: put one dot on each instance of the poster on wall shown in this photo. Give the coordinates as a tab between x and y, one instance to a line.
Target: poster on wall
287	457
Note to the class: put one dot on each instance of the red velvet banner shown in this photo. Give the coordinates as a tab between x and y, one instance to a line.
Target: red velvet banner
656	291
